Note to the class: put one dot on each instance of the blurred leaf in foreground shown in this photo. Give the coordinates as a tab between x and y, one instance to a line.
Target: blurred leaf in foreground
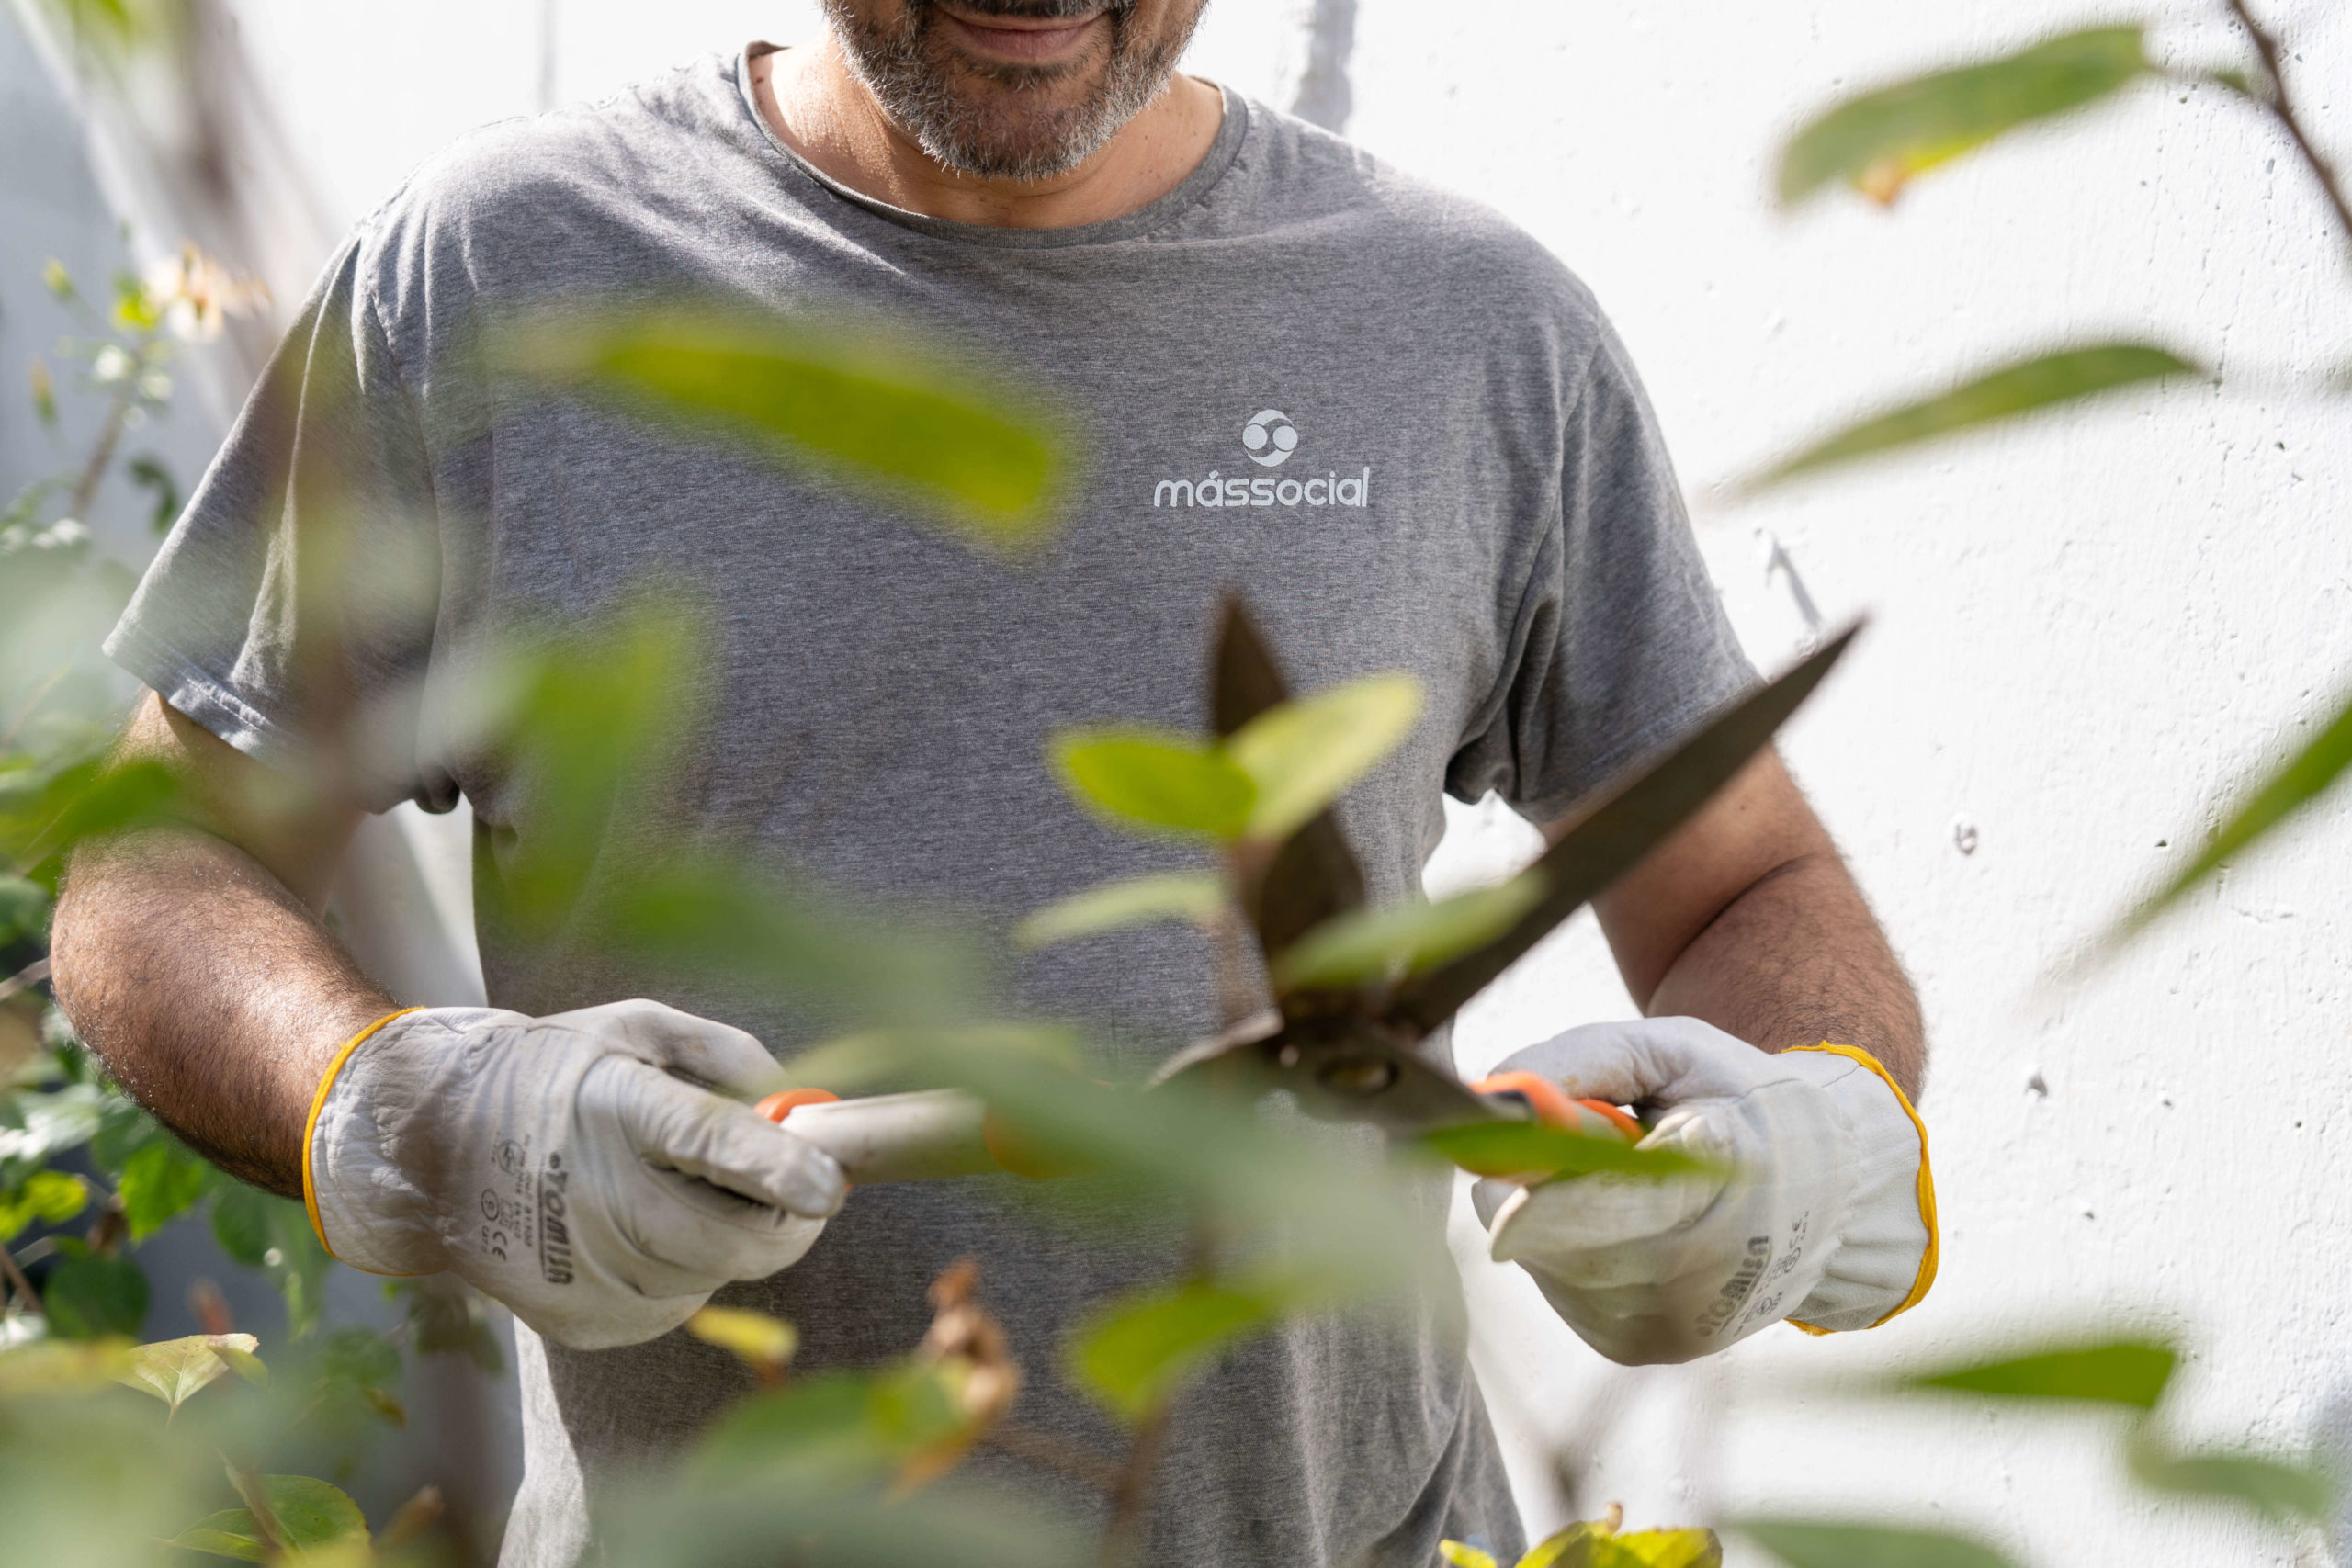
45	1197
91	1296
2120	1372
2046	380
1172	896
2293	786
1155	779
1133	1354
762	1343
910	422
161	1182
2288	1493
1807	1544
1303	754
1531	1151
1404	939
1597	1543
1877	140
311	1517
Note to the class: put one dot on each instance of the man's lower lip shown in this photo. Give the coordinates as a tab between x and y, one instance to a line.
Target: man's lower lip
1029	44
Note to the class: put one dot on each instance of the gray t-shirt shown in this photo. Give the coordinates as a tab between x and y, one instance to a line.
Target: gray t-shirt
1456	474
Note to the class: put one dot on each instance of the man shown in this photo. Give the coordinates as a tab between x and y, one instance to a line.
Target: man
1481	498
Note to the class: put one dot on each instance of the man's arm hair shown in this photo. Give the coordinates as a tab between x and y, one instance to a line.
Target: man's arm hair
193	959
1748	918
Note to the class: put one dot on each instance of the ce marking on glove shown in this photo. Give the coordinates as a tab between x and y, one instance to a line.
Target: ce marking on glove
500	1217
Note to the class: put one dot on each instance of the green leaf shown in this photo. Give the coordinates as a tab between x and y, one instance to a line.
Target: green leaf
297	1264
1806	1544
24	908
1593	1544
160	1182
59	1366
1457	1555
1302	755
174	1370
1878	140
2286	1494
1662	1549
1171	896
45	1197
88	1297
273	1235
2008	392
2120	1372
361	1357
311	1516
36	1125
1154	779
1132	1355
241	1221
2271	801
910	421
84	801
1404	939
228	1533
150	474
1532	1150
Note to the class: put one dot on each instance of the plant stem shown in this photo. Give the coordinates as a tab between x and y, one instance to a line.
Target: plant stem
2281	105
17	1281
33	705
1049	1452
25	979
94	472
1132	1491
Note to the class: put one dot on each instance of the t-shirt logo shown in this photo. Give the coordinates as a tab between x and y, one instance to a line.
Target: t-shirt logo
1271	437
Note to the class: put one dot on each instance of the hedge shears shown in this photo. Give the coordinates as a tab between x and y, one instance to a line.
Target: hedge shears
1352	1051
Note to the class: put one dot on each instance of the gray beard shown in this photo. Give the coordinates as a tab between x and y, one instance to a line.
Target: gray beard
903	68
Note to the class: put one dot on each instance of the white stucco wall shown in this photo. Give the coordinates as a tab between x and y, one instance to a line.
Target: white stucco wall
2083	628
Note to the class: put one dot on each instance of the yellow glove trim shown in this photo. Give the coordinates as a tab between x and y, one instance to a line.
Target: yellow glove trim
318	1103
1927	1260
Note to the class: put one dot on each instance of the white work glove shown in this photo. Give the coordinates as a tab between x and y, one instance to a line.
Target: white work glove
575	1167
1821	1209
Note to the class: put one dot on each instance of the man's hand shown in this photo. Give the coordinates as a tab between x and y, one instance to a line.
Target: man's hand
576	1167
1820	1208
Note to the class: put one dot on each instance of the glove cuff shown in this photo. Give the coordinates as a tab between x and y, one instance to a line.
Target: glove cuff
310	1122
1889	1250
368	1212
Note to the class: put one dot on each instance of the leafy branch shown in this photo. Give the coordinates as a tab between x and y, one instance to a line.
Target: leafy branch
2278	100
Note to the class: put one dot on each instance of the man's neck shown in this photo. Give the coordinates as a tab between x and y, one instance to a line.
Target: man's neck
812	100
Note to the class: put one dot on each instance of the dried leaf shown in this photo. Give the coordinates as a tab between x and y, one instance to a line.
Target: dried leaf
174	1370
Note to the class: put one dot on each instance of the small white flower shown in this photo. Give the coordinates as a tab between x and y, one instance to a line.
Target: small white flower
62	534
155	385
111	365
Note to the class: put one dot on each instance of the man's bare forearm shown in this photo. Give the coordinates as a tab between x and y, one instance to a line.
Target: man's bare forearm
211	992
1797	959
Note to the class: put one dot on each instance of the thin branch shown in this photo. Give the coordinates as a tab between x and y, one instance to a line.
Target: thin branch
1049	1452
2281	105
1132	1492
33	705
18	1281
25	979
94	472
